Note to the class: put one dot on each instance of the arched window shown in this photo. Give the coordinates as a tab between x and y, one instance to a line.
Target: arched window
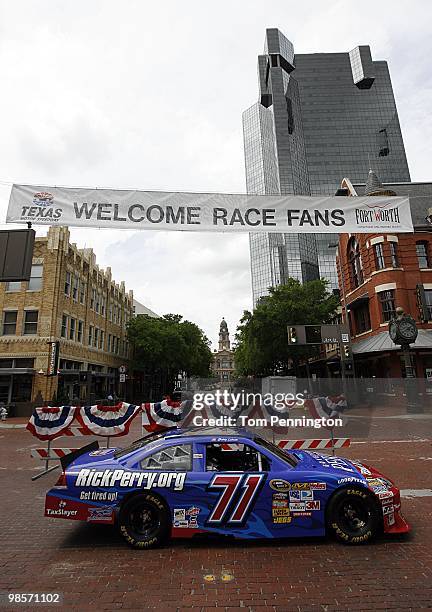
355	263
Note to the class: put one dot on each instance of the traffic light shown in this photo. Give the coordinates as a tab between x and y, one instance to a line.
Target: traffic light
346	350
292	335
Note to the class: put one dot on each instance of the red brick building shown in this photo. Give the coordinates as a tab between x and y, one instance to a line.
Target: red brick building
377	273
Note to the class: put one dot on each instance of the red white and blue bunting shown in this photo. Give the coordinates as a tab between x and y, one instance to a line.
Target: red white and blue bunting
47	422
160	415
108	420
326	407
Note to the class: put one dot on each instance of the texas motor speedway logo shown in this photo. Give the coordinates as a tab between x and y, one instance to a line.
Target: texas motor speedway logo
42	209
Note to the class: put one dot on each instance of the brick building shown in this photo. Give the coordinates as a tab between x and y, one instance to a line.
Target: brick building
223	359
69	299
377	273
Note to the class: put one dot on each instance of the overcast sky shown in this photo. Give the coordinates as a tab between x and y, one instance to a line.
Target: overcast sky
147	95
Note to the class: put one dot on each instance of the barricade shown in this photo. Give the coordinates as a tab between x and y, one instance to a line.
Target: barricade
49	453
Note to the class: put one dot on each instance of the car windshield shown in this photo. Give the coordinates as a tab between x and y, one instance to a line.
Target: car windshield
276	450
141	442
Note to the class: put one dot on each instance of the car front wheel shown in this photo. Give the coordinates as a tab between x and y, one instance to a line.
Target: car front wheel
353	516
144	521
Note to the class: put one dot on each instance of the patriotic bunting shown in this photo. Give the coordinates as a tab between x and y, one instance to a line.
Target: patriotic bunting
326	407
108	420
160	415
47	422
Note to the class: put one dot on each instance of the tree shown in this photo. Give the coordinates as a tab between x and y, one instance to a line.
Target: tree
163	347
262	343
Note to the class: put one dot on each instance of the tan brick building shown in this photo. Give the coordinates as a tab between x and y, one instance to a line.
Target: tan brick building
69	299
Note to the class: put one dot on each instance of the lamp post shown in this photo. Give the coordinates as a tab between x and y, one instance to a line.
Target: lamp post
344	314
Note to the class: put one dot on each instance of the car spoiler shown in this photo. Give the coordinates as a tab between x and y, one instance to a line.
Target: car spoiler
67	459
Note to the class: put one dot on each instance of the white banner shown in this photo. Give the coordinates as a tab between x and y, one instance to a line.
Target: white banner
217	212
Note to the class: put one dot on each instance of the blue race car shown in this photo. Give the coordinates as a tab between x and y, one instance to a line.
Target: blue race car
182	483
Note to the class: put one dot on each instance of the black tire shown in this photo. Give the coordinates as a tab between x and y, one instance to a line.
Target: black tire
144	521
353	516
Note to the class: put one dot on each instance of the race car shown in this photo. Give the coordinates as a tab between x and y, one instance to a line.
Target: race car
185	483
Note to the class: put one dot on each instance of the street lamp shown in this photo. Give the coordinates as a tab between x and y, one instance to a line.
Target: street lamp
343	356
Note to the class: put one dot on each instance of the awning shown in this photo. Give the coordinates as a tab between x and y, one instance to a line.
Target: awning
16	371
361	299
382	342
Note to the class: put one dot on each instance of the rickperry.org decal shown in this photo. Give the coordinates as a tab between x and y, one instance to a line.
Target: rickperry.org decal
129	479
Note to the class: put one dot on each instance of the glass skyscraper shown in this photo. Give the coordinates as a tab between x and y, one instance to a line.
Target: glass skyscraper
320	117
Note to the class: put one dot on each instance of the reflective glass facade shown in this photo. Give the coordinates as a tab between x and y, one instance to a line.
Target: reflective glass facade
320	117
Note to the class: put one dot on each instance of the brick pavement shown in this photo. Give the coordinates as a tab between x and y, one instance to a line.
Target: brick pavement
95	570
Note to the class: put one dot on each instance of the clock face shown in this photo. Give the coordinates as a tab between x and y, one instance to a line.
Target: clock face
407	329
393	331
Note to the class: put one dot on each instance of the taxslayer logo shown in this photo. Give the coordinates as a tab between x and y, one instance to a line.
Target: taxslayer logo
42	209
378	213
61	510
127	479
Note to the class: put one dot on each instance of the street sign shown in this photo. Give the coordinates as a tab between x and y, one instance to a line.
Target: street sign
122	369
53	358
122	378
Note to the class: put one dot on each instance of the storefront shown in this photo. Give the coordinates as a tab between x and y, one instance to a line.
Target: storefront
16	380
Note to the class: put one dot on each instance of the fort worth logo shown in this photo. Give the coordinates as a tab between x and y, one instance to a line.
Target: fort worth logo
377	213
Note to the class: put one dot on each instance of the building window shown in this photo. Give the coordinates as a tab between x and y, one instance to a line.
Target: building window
388	308
362	319
83	286
428	302
422	249
379	256
63	332
75	289
394	254
101	339
67	288
72	329
93	298
355	263
90	335
80	331
9	322
98	298
96	337
35	282
13	286
109	343
30	322
103	305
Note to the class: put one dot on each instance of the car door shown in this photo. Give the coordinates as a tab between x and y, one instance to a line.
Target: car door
230	477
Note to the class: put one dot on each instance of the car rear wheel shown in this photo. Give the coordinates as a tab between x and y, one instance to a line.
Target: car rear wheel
144	521
353	516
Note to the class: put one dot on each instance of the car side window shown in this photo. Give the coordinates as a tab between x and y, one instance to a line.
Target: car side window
171	458
235	457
